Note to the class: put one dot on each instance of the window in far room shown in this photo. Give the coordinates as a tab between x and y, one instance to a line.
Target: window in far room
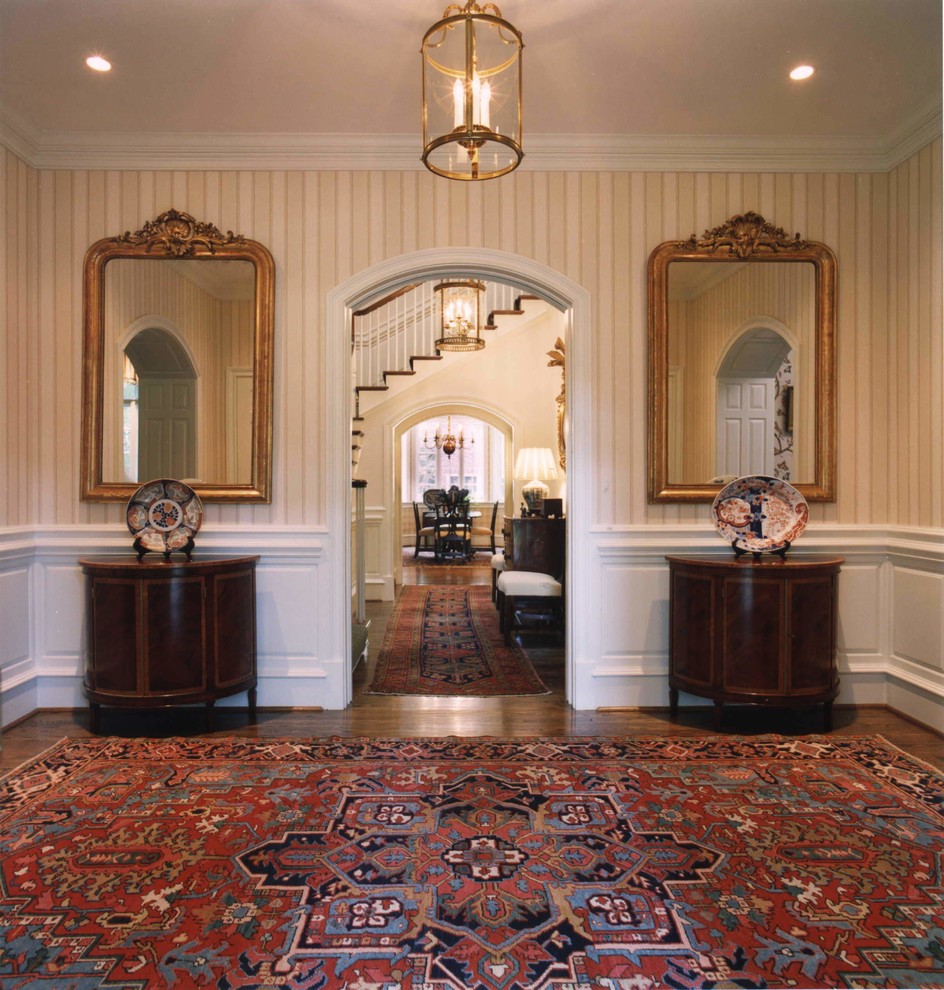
478	465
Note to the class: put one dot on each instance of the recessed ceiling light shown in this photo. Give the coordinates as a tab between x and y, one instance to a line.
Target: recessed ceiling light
98	63
802	72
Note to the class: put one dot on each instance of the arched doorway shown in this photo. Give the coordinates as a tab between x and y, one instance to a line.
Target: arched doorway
159	400
754	387
531	278
440	409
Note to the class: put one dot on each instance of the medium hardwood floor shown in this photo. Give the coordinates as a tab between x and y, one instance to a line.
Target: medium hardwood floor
543	716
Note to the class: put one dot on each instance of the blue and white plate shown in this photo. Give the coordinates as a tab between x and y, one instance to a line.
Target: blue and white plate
760	514
164	515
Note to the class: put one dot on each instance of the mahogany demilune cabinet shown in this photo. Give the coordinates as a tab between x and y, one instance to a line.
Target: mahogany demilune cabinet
747	631
165	632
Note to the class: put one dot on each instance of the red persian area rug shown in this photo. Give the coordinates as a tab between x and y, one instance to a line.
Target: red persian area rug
444	640
472	864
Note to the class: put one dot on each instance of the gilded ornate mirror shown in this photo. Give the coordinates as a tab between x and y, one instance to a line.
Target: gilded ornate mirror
177	362
741	361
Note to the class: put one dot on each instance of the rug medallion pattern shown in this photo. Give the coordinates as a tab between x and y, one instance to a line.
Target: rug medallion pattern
482	864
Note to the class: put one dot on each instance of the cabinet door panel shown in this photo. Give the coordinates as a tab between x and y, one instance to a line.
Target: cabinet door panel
234	633
752	626
693	629
114	643
811	643
175	626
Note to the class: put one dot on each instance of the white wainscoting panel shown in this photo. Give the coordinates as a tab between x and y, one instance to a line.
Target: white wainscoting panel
42	607
633	621
916	622
377	548
891	614
17	669
14	614
915	664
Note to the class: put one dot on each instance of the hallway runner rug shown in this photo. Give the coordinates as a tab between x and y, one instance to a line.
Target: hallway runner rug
471	864
444	640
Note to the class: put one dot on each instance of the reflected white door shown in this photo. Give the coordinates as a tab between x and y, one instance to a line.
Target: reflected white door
239	426
745	434
166	423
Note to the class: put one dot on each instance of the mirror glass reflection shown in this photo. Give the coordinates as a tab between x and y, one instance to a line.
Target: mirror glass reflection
741	349
178	370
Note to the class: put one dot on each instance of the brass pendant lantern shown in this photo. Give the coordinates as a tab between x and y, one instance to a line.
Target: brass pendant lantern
460	305
472	93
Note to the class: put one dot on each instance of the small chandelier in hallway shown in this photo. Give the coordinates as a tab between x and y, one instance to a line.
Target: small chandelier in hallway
472	93
448	442
460	305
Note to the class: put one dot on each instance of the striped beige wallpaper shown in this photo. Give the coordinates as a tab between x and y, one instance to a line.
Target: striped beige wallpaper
596	228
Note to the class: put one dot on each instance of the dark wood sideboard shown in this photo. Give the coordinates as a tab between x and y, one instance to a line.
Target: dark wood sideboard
535	544
165	631
748	631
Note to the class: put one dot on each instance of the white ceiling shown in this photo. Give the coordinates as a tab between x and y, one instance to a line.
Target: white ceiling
617	73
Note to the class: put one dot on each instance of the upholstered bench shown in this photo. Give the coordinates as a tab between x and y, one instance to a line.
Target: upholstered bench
527	589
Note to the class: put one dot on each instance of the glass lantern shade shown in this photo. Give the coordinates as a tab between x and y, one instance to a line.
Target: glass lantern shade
460	306
472	93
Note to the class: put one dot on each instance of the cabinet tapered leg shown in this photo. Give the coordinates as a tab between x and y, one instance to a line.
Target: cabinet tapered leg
252	705
673	701
95	716
719	708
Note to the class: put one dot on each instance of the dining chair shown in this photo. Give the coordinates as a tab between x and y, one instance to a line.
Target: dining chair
488	531
453	531
425	533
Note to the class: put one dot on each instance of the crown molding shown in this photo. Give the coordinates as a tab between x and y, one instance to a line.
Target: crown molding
918	129
401	152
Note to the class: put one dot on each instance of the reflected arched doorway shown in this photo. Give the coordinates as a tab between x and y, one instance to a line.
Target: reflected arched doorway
159	399
754	389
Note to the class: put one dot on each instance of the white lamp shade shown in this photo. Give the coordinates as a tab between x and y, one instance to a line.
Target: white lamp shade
535	464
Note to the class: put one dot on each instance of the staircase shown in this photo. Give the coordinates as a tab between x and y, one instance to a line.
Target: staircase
393	336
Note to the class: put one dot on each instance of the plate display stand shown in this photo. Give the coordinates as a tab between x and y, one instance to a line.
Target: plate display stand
740	551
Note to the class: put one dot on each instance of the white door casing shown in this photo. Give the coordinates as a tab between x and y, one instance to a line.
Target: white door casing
530	277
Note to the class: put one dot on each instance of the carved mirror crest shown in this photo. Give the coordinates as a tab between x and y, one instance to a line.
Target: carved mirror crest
177	362
741	361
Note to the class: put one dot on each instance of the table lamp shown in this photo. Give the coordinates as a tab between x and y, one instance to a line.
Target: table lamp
536	464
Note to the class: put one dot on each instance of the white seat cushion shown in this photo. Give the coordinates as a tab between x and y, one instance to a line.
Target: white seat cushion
498	561
533	583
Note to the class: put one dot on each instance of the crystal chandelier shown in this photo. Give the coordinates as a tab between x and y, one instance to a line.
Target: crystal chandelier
460	305
472	93
448	442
